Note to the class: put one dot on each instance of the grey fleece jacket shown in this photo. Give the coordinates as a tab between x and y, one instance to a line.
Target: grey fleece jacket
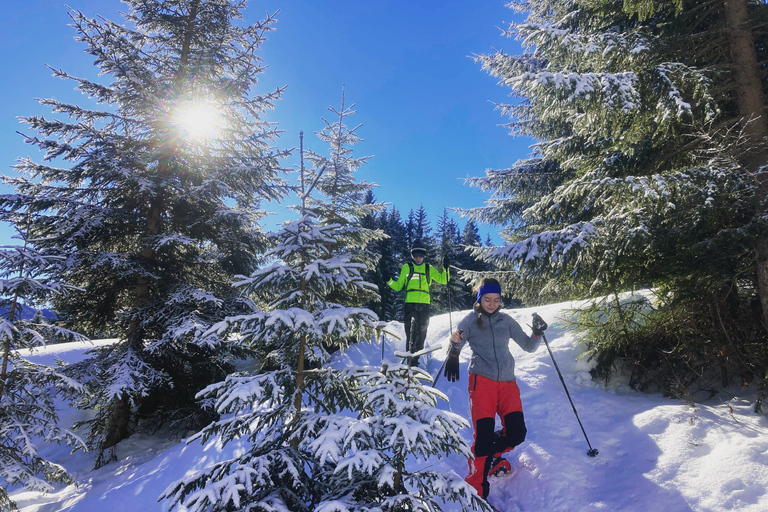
491	357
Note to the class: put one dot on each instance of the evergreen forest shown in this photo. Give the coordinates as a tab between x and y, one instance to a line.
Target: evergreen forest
644	196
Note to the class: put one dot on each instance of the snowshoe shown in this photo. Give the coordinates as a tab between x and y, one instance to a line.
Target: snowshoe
499	466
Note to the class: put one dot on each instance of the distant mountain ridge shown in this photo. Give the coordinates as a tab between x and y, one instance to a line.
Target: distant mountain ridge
27	312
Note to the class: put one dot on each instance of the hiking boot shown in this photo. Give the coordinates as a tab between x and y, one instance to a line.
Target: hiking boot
499	466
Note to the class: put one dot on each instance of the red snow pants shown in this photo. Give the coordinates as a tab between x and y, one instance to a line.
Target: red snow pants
488	398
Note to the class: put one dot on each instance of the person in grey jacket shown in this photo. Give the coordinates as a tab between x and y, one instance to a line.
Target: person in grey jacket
492	386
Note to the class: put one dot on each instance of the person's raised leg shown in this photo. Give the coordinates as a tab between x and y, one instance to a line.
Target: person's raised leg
510	410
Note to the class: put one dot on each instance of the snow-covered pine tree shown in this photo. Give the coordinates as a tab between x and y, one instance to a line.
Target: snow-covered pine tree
28	390
410	227
450	234
449	245
398	232
377	276
393	250
470	235
38	318
321	438
422	230
642	175
369	220
339	197
155	201
381	251
472	267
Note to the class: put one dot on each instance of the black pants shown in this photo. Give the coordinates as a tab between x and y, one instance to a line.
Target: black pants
416	323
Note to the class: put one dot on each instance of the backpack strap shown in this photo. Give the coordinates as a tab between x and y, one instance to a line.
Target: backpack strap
410	274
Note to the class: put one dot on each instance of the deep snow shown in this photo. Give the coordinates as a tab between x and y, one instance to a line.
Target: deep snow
656	454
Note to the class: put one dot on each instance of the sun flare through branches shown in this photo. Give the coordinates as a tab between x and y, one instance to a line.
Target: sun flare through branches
198	118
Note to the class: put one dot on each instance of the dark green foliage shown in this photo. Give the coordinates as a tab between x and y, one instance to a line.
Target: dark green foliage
389	306
637	181
450	245
458	244
681	350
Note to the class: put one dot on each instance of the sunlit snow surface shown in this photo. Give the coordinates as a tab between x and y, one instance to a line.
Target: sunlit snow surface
656	454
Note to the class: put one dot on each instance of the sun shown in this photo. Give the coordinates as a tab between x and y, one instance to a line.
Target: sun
198	119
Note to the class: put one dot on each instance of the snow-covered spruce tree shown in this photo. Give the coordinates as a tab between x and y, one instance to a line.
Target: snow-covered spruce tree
644	174
398	232
449	244
321	438
472	268
419	228
381	251
390	304
154	202
339	198
28	390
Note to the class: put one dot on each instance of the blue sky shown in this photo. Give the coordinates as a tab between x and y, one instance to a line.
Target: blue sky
425	106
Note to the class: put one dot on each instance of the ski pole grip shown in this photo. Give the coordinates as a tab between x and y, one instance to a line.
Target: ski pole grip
453	345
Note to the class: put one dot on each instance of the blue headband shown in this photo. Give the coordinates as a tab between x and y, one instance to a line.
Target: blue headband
488	288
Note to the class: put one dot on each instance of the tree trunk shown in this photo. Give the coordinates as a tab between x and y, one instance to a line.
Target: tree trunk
298	397
116	429
142	290
300	385
120	414
7	344
754	119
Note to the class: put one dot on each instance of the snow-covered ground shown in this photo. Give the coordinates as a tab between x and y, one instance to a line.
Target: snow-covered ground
656	454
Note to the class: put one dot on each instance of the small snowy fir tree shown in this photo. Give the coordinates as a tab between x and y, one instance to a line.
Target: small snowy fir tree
27	390
339	198
321	438
155	203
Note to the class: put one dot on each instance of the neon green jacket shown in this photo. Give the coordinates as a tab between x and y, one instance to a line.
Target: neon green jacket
418	287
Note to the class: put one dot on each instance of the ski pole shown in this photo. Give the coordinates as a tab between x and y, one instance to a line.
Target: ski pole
450	306
440	371
450	328
592	451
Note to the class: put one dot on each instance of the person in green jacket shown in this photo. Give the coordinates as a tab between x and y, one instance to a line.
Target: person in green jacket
416	277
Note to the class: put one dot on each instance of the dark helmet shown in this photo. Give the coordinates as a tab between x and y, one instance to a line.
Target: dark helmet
418	249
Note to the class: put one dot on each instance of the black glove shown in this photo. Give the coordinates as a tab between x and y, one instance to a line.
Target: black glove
452	363
539	325
446	261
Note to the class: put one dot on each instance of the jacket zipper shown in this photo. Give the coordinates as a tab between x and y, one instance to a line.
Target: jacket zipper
419	289
498	369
